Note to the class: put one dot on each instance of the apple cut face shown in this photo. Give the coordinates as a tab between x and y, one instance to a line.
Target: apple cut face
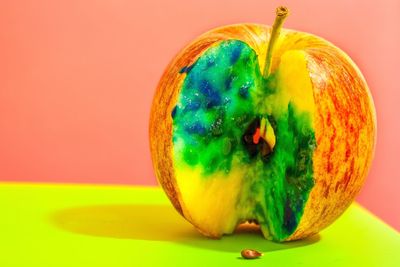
243	145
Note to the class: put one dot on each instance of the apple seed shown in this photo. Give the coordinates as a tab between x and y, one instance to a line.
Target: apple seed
250	254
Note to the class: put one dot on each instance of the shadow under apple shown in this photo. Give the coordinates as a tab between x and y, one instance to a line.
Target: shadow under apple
160	223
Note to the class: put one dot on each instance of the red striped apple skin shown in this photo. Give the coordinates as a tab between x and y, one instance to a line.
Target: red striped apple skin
344	120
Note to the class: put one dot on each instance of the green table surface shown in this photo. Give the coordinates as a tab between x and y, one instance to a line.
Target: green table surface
81	225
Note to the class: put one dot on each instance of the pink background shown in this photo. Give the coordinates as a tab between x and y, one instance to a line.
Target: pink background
77	79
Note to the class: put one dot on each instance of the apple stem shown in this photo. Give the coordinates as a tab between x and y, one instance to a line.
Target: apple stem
281	13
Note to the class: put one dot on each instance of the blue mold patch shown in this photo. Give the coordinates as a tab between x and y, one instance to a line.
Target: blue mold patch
215	96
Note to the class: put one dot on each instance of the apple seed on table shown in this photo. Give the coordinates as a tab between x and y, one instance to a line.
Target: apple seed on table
250	254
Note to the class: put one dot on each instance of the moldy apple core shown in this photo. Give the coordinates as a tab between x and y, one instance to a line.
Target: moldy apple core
216	128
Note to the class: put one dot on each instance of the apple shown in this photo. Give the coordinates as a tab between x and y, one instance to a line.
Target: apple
252	123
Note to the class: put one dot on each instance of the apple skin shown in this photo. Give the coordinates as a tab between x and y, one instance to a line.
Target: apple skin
344	120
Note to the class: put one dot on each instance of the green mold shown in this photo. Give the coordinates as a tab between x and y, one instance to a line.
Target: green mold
218	102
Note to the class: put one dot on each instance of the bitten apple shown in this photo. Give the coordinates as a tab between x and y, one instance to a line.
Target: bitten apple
262	124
